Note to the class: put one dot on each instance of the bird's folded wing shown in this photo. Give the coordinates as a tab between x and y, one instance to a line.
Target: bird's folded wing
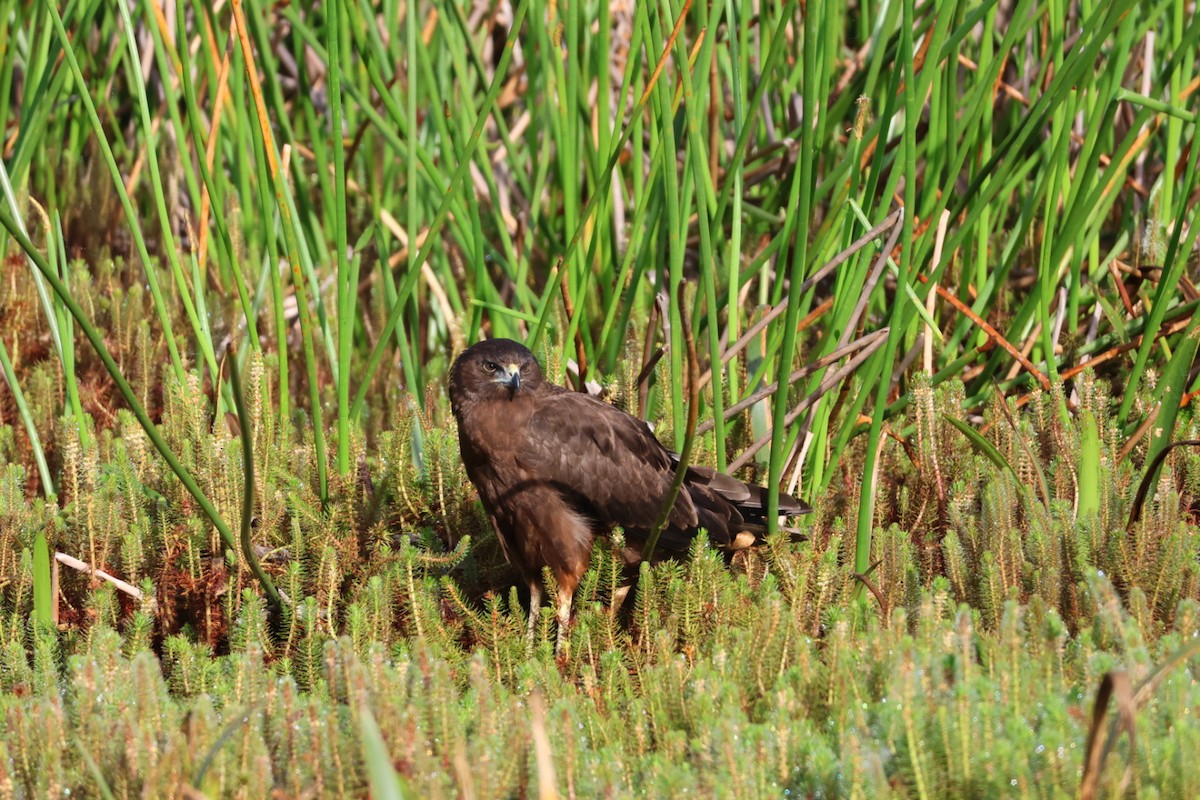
608	460
747	497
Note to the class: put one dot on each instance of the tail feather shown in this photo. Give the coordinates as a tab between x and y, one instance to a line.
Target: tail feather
747	497
734	514
727	507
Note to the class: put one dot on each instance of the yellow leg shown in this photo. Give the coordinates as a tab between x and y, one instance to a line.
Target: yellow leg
535	605
564	621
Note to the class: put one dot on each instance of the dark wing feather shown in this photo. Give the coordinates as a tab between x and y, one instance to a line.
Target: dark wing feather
746	496
608	460
731	489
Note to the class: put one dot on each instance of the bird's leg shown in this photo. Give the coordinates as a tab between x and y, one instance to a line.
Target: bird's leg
564	620
535	605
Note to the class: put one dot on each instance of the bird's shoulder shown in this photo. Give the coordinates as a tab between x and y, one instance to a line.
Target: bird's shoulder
586	423
606	459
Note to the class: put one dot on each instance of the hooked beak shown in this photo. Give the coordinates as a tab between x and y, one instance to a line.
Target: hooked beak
512	378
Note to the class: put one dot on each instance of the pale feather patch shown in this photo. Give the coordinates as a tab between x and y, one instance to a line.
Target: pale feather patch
575	543
742	541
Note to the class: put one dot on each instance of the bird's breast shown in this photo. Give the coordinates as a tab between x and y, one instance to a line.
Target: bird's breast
493	465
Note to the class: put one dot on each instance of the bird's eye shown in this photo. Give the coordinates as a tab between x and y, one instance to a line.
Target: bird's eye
489	366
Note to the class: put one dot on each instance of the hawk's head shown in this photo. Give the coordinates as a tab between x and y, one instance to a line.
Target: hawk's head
494	369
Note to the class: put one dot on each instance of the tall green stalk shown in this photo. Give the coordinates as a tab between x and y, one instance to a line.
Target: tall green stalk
802	191
347	280
866	497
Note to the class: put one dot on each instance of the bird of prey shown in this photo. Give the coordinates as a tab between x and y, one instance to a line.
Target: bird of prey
556	468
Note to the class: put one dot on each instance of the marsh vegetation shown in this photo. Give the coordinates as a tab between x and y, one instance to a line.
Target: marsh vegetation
242	243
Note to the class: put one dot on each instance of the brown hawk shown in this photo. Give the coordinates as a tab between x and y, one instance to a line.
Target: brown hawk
556	468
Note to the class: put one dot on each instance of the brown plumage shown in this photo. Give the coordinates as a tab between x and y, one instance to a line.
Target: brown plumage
555	469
